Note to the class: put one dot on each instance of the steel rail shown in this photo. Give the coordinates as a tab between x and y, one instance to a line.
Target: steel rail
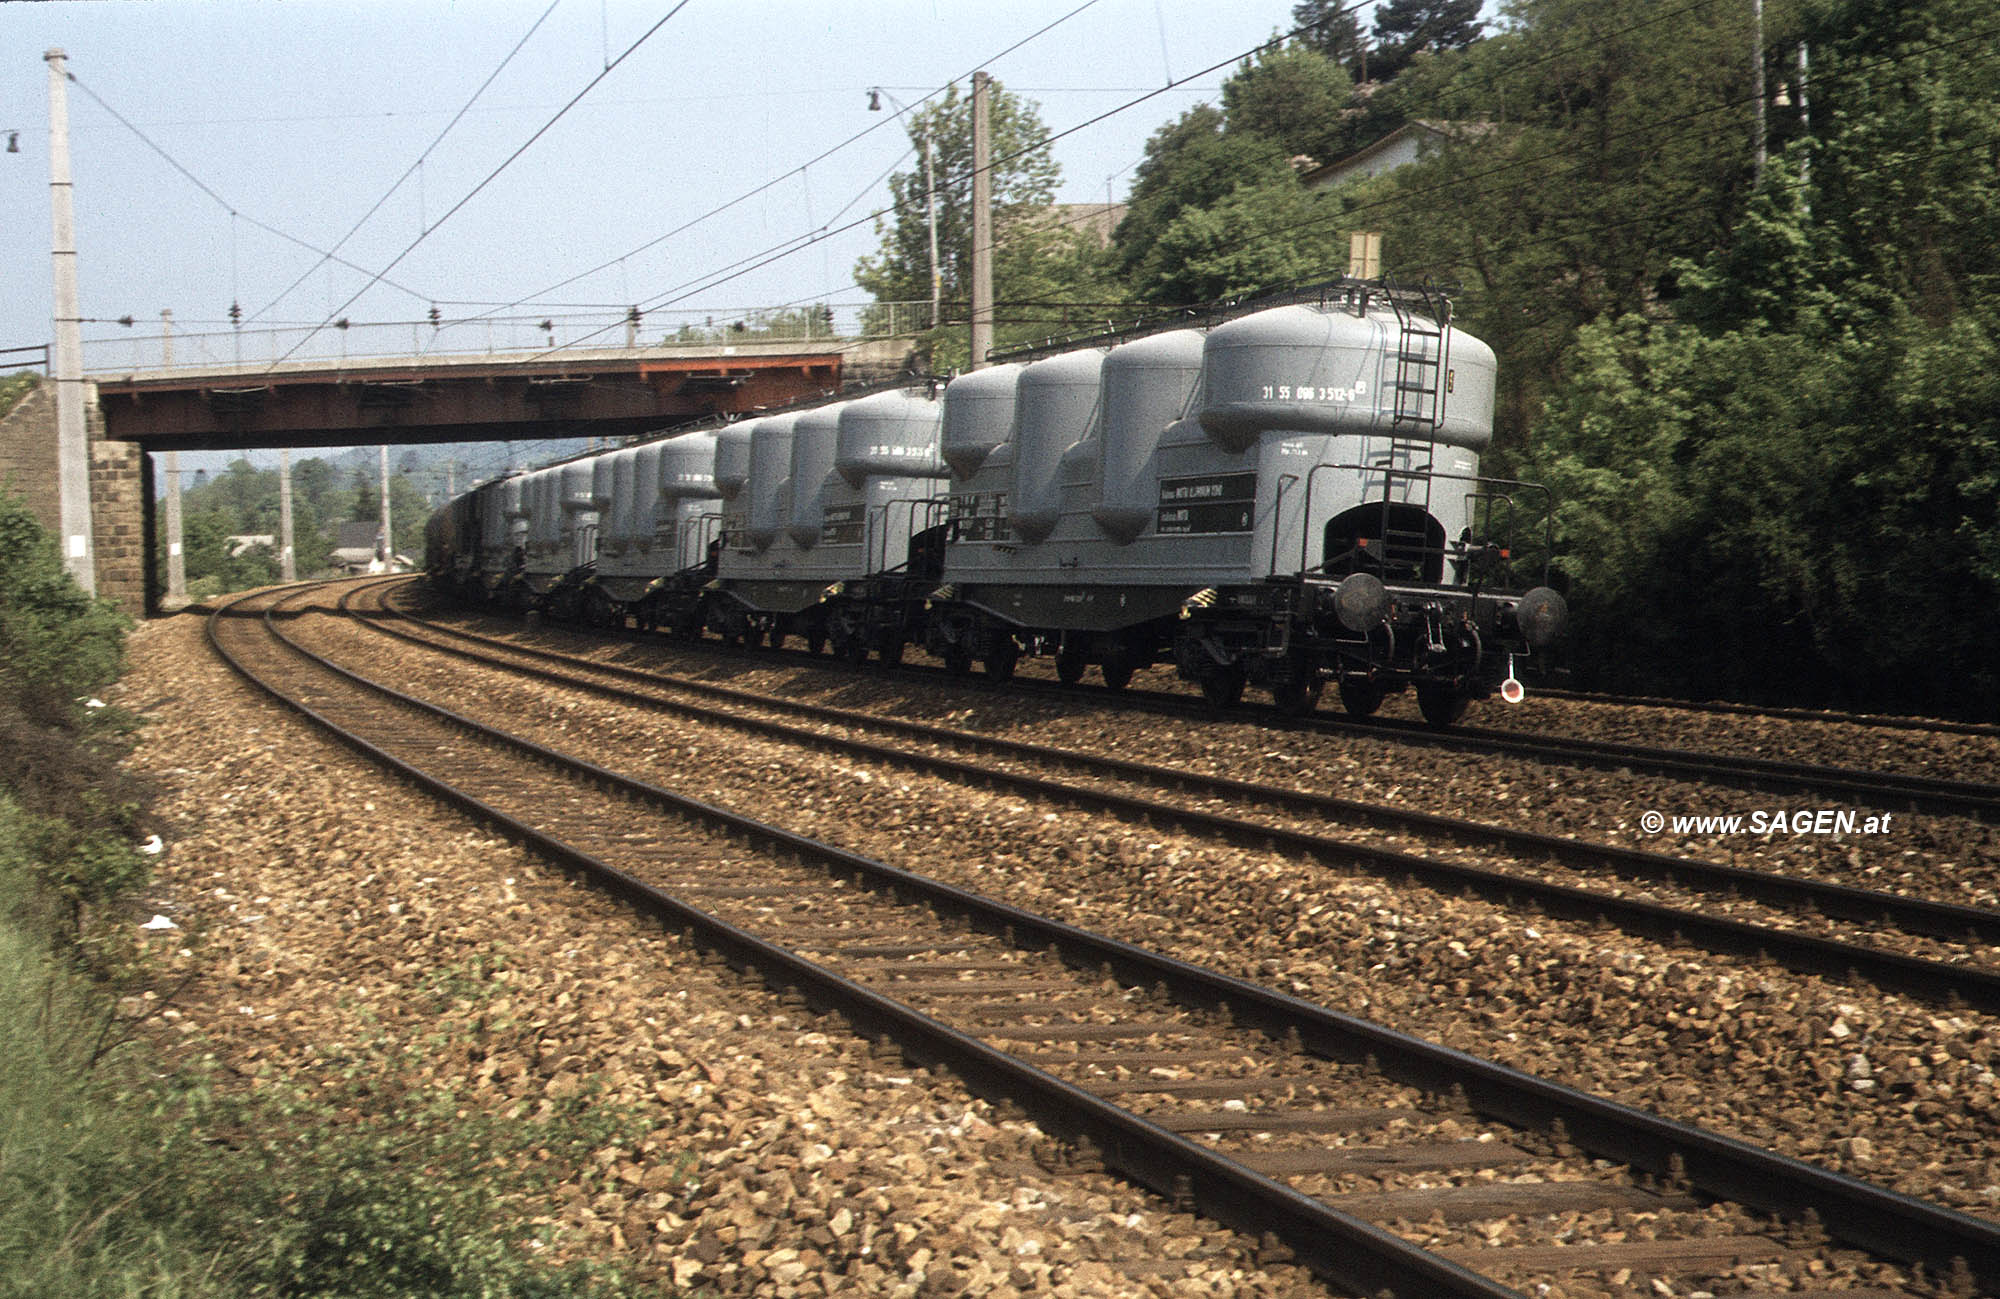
1888	790
1342	1248
1726	707
1345	1249
1938	981
1947	920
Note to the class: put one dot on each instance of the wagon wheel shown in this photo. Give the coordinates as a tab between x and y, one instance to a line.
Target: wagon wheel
1361	700
1297	698
1441	706
1223	687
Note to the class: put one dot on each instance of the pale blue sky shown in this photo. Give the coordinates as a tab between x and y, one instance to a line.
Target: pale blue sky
300	115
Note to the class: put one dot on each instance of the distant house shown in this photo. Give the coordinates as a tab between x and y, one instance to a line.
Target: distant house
356	549
1097	220
1411	142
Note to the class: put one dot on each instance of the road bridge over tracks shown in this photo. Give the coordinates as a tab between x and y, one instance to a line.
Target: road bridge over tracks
612	393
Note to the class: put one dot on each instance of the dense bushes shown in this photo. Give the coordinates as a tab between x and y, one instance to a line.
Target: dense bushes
1766	388
121	1178
1788	486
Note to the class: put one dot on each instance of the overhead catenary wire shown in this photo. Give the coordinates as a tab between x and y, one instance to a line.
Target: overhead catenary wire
1654	133
1651	131
414	167
1456	186
796	243
788	173
235	213
489	178
1683	133
1493	77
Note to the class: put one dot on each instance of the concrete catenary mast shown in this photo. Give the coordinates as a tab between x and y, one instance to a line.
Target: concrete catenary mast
72	438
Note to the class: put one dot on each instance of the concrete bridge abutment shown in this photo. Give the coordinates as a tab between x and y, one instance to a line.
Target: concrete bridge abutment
117	490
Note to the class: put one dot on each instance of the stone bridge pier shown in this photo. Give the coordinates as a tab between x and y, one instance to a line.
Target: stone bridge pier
119	497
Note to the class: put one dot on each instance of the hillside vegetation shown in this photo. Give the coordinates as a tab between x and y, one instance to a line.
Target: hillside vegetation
128	1171
1765	394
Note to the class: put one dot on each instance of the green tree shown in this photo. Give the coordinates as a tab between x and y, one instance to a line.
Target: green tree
1821	409
1217	207
1259	236
1292	96
1189	165
316	482
1407	28
1577	157
1040	260
1332	29
56	642
409	509
15	386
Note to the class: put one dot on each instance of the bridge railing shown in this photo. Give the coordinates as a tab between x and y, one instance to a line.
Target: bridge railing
827	324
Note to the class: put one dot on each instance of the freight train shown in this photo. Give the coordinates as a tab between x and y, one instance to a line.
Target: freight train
1281	497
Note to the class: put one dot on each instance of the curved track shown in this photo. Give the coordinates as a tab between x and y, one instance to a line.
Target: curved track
1888	790
1257	1108
1722	908
1882	721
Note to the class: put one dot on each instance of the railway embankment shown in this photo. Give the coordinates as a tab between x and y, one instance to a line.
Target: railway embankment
345	932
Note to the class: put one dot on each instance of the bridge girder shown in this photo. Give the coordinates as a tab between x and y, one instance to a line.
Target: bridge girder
611	396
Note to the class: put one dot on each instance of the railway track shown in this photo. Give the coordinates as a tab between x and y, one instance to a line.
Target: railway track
1382	1161
1881	721
1934	950
1887	790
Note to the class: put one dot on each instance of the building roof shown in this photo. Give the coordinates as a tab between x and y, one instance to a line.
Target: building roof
1420	131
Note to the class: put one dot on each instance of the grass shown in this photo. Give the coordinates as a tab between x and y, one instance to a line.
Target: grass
119	1180
92	1166
126	1174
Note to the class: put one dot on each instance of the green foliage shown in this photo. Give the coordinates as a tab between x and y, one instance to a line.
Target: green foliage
55	641
95	1184
395	1204
1218	251
1807	515
1292	96
1332	30
1024	175
16	386
242	500
1770	408
1217	208
69	816
1407	28
115	1182
117	1179
315	486
1046	270
1822	416
408	508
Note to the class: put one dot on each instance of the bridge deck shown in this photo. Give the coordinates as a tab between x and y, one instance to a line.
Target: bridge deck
606	392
